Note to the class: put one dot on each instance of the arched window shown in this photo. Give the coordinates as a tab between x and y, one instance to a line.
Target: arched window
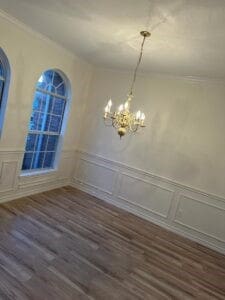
46	120
4	85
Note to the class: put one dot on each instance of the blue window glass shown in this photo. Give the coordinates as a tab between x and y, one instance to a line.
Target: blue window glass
1	70
45	122
38	160
51	88
49	160
58	107
60	89
34	120
27	160
55	123
31	140
57	79
42	142
52	142
52	82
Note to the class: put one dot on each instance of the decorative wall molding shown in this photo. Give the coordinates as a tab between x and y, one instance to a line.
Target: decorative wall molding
11	151
140	172
182	209
151	188
8	173
14	185
85	177
214	212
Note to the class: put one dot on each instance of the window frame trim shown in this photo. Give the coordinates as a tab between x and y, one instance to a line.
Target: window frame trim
66	98
36	172
5	92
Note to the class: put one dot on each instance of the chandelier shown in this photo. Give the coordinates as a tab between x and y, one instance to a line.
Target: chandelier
123	120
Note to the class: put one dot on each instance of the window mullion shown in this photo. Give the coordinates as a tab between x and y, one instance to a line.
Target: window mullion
45	151
44	132
51	93
34	151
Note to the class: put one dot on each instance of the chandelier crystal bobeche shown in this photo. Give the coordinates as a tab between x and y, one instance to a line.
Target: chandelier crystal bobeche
123	120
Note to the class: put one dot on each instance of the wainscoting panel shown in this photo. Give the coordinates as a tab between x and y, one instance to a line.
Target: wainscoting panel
8	175
95	175
202	217
9	169
151	197
182	209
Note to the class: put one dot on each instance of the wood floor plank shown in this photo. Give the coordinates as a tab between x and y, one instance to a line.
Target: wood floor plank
65	244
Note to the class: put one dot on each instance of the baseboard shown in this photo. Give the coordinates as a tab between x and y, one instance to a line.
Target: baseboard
120	203
19	193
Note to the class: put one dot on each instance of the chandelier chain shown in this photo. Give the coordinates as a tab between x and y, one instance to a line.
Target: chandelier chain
137	66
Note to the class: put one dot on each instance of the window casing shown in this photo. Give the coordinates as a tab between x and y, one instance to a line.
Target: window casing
2	81
4	85
46	120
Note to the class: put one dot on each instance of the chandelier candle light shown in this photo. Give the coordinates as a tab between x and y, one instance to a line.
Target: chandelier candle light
123	120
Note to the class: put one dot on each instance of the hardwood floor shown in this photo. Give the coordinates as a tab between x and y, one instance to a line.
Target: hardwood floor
65	244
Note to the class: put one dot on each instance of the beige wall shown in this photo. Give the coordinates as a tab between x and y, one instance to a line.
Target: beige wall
30	54
173	171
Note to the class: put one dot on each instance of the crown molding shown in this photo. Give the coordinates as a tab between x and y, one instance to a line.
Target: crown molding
188	78
39	35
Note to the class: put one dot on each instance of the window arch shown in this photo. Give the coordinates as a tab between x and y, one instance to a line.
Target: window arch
46	120
4	85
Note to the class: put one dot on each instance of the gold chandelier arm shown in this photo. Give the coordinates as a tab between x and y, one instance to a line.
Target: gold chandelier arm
108	122
132	124
134	127
115	123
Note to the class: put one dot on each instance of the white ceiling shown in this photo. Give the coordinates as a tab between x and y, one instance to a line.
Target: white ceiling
188	36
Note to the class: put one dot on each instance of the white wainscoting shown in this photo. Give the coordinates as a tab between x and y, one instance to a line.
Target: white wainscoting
13	185
8	175
151	197
201	215
96	175
182	209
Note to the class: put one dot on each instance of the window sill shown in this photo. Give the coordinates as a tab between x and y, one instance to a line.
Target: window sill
36	172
